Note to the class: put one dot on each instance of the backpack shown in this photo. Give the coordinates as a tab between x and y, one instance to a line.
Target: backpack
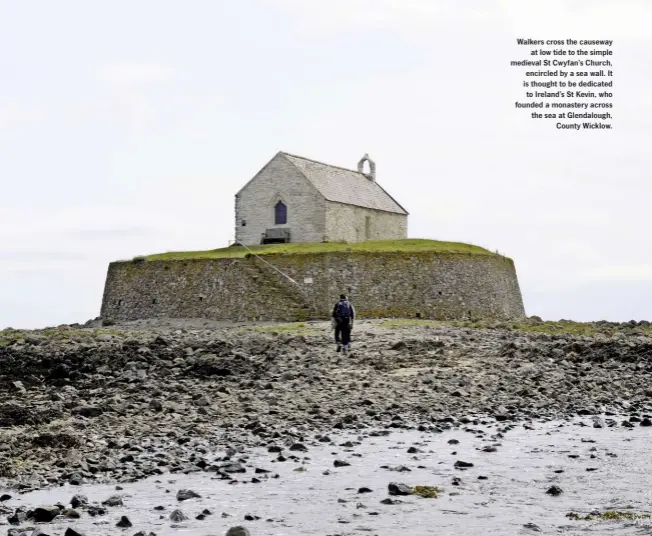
343	309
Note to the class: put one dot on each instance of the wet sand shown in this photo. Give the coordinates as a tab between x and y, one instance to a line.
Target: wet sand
503	493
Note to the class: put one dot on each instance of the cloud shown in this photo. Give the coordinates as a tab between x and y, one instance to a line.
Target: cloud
131	92
339	14
28	255
14	114
637	272
587	19
111	233
133	74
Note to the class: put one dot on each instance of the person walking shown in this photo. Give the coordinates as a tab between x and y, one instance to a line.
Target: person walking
343	316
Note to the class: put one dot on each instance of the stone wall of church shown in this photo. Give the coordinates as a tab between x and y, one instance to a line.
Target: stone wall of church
400	285
254	205
348	223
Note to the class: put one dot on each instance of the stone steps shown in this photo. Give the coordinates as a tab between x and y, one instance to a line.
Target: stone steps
292	306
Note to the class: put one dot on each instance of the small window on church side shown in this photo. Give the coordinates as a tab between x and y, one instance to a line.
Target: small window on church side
244	223
280	213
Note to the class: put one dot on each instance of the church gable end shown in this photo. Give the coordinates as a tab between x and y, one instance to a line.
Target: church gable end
281	204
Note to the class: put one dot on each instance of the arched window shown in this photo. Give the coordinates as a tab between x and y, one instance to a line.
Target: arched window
280	213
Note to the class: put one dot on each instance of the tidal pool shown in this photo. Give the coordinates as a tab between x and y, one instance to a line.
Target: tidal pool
598	469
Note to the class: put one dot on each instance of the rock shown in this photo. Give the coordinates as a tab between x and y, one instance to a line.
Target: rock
45	514
238	531
532	526
78	500
4	497
90	411
155	405
96	511
364	490
554	490
185	494
17	518
177	516
341	463
124	522
72	532
459	464
114	500
76	479
646	422
395	488
19	532
233	467
203	401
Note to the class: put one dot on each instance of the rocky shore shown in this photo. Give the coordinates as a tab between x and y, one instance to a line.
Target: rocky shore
120	403
90	405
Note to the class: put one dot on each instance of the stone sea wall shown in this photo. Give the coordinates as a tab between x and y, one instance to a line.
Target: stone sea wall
422	285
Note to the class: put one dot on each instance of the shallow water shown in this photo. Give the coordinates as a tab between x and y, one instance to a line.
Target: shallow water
306	503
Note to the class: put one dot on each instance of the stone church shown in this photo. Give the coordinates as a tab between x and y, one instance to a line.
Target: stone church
295	199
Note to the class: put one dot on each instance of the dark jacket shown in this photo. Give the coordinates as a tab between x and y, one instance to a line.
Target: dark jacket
335	310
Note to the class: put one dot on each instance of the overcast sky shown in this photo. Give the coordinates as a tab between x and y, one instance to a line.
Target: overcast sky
127	127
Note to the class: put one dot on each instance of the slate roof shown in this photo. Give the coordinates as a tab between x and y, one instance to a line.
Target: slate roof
345	186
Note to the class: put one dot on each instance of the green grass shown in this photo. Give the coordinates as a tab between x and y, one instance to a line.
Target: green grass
568	327
10	336
398	323
561	327
297	328
412	245
282	328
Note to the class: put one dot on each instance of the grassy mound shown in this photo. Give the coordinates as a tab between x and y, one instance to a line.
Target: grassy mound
411	245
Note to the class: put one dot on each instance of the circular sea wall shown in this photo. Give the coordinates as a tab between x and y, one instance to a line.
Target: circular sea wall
429	285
